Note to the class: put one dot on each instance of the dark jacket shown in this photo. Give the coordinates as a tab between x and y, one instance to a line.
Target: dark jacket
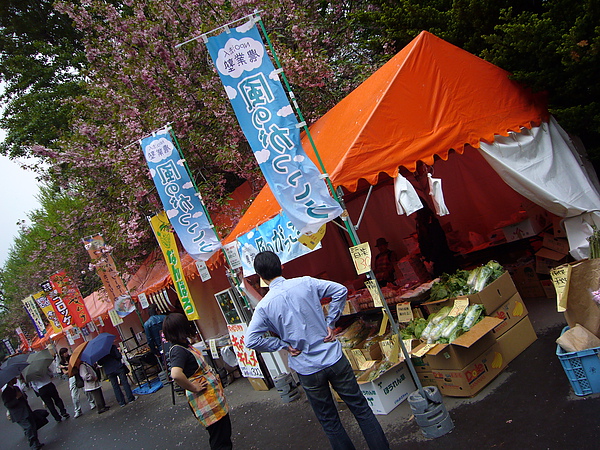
17	407
112	363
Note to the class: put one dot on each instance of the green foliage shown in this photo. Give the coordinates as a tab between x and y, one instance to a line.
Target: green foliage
41	57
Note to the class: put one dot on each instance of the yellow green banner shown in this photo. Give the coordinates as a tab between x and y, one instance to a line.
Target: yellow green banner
46	307
166	240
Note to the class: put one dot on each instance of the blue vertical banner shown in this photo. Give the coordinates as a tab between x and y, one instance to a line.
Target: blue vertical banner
271	127
179	197
277	235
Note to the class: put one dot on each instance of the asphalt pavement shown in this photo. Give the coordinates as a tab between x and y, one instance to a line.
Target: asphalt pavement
529	405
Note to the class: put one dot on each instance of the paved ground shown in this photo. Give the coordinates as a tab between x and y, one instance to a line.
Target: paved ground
530	405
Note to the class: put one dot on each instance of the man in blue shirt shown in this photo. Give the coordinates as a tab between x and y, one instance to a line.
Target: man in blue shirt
292	310
152	328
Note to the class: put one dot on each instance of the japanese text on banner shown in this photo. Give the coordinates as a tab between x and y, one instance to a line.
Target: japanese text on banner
179	197
277	235
70	295
166	241
271	128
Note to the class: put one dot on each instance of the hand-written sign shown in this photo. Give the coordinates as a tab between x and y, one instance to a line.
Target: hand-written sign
460	304
374	291
361	255
560	278
404	311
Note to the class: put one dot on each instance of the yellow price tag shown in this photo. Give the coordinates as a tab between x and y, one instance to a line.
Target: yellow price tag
386	347
374	291
560	279
460	304
313	239
361	256
384	323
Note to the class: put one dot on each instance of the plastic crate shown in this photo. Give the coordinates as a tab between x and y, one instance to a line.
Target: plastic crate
582	368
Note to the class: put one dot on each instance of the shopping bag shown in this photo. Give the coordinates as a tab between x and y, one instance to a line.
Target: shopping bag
581	307
40	416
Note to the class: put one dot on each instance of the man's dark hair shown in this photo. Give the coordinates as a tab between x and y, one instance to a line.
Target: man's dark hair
267	265
176	329
152	310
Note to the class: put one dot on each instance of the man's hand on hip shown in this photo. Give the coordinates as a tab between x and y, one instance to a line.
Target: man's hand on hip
293	351
330	335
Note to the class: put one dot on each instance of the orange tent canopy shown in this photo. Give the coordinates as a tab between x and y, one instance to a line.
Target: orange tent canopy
432	97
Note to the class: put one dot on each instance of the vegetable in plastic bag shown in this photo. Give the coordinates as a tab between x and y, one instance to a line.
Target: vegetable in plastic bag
474	314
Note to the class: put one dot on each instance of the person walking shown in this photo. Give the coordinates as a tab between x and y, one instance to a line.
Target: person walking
74	384
152	328
203	388
92	385
292	310
20	412
46	389
117	371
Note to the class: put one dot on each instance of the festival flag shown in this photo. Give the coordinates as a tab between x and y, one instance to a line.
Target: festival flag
271	127
277	235
23	339
105	267
166	240
68	291
34	314
44	303
180	200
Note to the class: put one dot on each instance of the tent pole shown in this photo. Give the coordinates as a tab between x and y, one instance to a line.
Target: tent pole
393	324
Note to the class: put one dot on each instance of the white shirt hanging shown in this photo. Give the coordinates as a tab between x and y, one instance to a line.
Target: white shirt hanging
406	198
437	195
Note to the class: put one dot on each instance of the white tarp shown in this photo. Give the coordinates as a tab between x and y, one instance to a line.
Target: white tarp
543	165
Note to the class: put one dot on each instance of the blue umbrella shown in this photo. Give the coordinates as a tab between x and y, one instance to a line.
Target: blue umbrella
12	368
97	348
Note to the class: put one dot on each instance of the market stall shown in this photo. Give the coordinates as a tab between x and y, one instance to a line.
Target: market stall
436	105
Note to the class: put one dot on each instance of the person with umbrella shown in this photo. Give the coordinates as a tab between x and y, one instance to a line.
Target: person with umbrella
117	371
44	387
91	384
74	385
15	400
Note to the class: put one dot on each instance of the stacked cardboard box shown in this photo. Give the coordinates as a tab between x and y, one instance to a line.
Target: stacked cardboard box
465	366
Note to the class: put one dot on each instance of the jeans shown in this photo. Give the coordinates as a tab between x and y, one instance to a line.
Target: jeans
30	430
342	379
114	380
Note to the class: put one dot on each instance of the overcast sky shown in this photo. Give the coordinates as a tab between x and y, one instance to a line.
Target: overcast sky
18	192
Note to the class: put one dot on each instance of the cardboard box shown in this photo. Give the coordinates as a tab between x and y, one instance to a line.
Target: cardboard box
492	296
427	379
471	379
527	281
517	339
510	313
495	294
388	390
259	384
559	245
527	228
464	349
420	364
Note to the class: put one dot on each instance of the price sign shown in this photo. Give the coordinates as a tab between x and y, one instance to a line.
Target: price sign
404	311
212	343
423	350
384	323
143	300
560	279
386	347
313	239
460	304
360	359
203	270
115	318
374	291
361	255
233	256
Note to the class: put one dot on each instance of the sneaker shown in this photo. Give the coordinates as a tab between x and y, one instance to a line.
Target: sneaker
66	415
92	407
58	420
76	415
124	404
103	410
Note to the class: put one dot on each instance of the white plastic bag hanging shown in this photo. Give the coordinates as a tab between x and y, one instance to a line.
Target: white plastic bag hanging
437	195
407	199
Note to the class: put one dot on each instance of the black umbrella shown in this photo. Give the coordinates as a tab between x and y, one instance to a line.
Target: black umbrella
38	365
12	368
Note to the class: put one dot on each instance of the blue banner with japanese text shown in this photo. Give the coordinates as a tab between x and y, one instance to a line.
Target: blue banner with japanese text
271	127
277	235
179	197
